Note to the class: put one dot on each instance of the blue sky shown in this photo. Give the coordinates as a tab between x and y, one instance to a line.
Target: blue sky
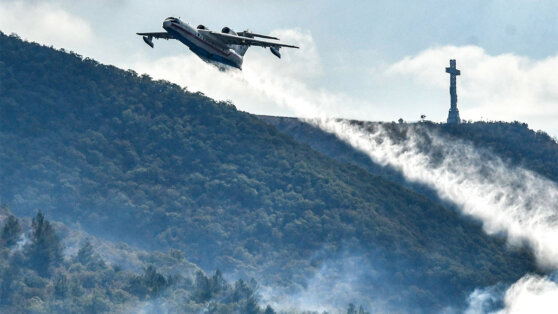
374	60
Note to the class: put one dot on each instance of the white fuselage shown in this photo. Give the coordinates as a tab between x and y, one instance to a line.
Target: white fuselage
202	43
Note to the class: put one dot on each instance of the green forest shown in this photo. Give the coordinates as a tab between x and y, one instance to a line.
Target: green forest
36	277
151	164
514	143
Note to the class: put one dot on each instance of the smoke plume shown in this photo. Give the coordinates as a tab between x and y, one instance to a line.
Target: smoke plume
508	200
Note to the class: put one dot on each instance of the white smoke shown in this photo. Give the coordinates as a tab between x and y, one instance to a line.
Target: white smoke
483	300
335	284
530	294
508	200
21	242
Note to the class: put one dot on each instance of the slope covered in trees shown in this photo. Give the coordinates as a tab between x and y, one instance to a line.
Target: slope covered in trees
513	142
35	277
152	164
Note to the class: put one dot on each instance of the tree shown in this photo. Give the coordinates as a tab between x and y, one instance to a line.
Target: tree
150	284
202	288
246	298
85	253
218	283
244	294
61	286
45	249
154	281
11	231
6	285
87	257
362	311
351	309
251	306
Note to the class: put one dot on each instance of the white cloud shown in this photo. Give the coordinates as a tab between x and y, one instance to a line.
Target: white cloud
496	87
304	63
45	23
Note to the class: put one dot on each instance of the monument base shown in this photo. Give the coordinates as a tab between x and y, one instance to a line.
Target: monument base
453	116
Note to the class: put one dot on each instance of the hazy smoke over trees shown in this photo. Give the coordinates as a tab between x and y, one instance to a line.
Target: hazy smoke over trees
509	200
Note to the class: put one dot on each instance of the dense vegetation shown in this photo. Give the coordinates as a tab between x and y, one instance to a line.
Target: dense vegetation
36	278
331	146
149	163
513	142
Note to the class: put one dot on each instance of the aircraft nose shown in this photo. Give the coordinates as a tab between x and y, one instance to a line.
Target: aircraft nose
166	24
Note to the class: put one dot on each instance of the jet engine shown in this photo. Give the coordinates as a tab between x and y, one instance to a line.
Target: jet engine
228	30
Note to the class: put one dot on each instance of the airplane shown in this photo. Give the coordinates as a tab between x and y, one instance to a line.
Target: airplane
224	48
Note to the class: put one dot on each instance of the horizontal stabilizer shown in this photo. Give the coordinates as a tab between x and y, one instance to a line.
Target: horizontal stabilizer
243	39
253	35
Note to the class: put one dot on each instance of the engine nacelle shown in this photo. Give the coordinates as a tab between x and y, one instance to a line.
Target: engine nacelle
275	51
228	30
148	40
201	27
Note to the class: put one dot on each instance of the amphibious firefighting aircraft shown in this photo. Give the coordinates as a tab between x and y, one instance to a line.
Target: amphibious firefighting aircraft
226	47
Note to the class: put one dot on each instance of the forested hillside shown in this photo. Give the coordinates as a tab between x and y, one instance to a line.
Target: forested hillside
514	143
37	277
149	163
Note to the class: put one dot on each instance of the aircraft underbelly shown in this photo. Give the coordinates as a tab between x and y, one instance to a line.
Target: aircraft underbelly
206	51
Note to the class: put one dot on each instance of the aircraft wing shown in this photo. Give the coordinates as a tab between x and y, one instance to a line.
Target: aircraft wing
157	35
241	40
